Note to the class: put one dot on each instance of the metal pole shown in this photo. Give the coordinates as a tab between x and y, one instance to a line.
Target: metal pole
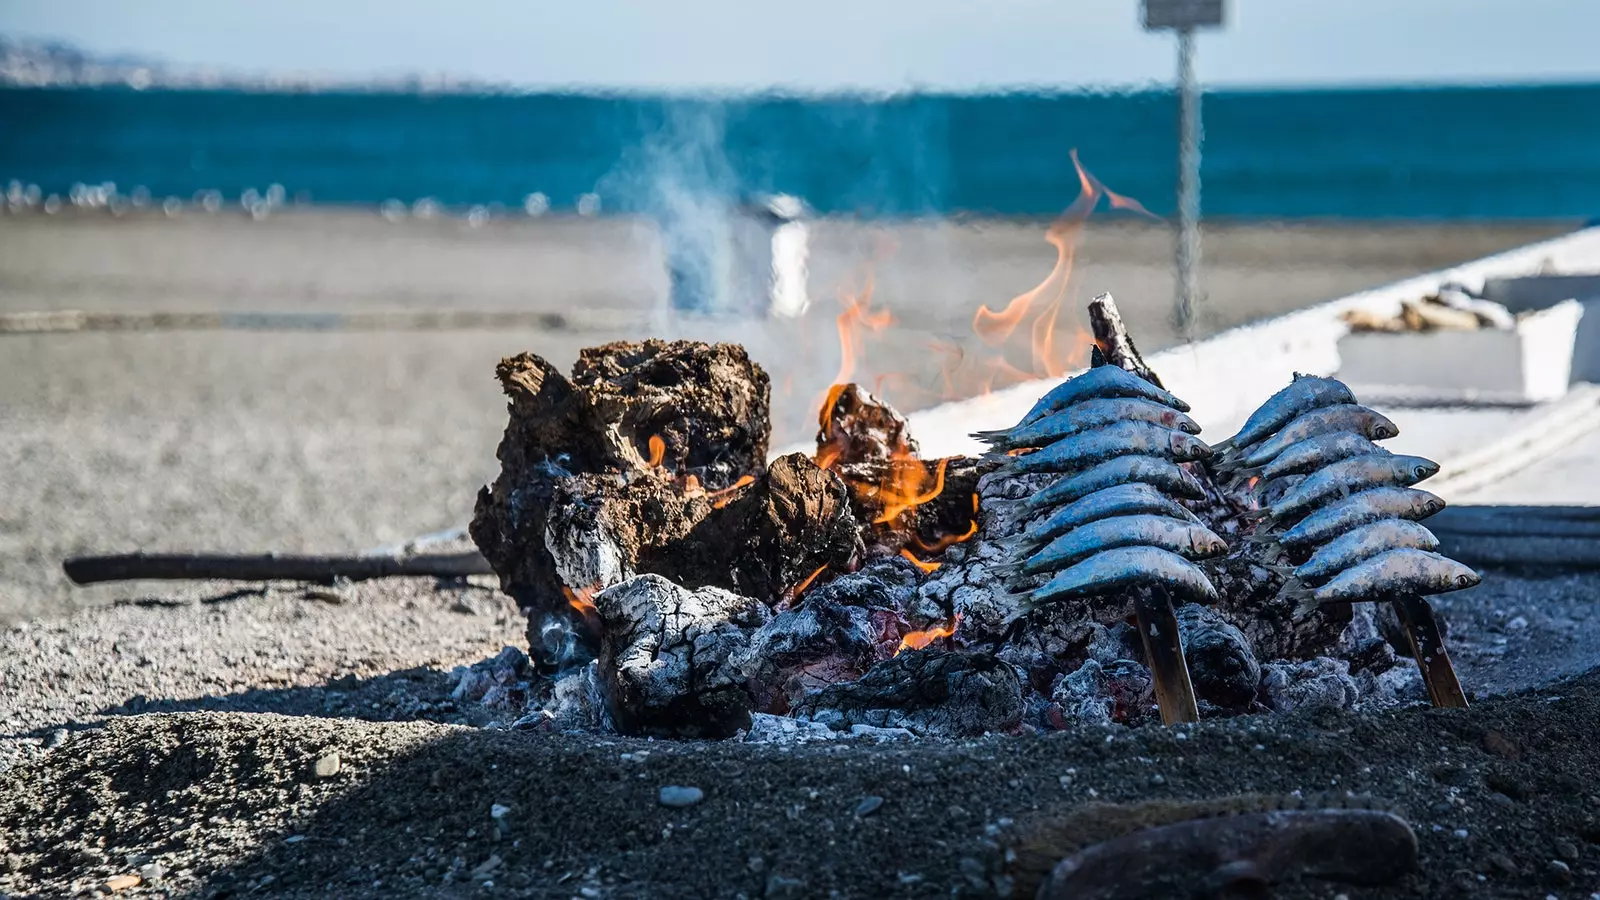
1188	288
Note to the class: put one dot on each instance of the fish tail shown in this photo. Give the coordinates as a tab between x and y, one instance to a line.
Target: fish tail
993	437
1286	571
1223	445
1263	516
1262	537
1305	599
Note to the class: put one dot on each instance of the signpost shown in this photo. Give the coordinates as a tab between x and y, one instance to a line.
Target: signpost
1184	16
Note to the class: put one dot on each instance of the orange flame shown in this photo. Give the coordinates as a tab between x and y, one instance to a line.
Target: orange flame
580	600
658	451
854	322
916	640
947	541
723	497
906	486
926	567
801	587
1252	482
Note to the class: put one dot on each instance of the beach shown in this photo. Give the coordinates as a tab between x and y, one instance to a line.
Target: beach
256	440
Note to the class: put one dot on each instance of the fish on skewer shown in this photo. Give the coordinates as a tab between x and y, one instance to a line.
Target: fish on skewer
1160	473
1346	477
1360	544
1312	454
1120	569
1327	523
1189	540
1128	499
1100	381
1360	420
1081	451
1094	413
1304	393
1393	572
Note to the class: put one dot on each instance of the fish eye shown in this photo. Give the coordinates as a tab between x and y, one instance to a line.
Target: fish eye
1421	472
1464	580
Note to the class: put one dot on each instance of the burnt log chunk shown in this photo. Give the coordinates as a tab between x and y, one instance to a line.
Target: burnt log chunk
709	404
780	531
665	658
927	692
854	427
1222	666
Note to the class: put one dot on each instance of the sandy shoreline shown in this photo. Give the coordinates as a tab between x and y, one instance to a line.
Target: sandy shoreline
340	440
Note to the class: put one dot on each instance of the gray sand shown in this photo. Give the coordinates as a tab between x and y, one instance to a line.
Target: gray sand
332	441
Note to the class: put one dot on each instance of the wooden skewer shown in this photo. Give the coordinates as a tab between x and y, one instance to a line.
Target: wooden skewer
1427	645
1163	649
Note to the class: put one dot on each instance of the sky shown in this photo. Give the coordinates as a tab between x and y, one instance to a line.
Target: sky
959	45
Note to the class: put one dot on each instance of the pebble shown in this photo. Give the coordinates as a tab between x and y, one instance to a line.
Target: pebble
498	812
1503	863
1560	871
679	797
1517	624
785	888
56	739
121	883
327	765
868	806
486	868
1566	849
1460	832
152	872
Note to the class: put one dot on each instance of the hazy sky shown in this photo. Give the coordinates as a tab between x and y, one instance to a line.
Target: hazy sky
870	44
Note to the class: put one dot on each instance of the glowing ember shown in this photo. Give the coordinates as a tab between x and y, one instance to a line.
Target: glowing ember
1252	482
658	451
907	486
946	541
725	496
916	640
926	567
801	587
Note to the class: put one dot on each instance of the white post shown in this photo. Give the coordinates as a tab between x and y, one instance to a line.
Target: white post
1188	250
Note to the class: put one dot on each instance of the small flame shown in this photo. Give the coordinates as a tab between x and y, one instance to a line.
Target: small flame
916	640
722	498
658	451
926	567
906	486
580	600
1251	482
854	322
801	587
947	541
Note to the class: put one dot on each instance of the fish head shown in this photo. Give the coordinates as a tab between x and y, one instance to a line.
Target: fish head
1428	504
1381	428
1209	546
1188	447
1419	468
1466	578
1184	424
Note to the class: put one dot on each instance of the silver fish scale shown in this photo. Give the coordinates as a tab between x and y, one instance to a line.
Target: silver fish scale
1114	524
1354	514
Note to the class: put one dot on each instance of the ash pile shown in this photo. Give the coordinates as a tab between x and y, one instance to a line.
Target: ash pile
1102	565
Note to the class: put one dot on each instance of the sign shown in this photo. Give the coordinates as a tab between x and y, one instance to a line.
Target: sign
1181	14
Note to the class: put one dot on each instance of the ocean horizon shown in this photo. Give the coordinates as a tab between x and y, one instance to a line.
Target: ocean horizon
1403	152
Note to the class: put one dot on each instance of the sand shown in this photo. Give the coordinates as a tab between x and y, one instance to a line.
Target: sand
338	440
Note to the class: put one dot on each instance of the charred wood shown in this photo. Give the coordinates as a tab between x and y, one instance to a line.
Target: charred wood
927	692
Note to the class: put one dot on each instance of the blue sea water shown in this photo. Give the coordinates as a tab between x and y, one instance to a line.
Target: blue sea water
1432	153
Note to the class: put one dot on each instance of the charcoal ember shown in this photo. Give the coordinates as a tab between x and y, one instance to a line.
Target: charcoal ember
1252	596
1241	855
793	521
837	632
603	529
954	512
927	692
1306	685
551	433
709	404
1222	665
1120	692
665	657
1363	643
856	428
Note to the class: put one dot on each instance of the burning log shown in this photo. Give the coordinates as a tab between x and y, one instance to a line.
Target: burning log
927	692
1221	663
666	657
1112	343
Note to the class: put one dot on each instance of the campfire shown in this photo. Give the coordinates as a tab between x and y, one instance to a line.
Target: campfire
677	583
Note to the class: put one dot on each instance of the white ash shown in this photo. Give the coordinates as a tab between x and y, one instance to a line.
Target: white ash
1320	683
585	551
766	728
576	703
501	682
1118	691
666	654
926	692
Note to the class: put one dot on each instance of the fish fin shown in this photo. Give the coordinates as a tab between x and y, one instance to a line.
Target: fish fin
1262	538
1264	516
1223	445
1287	571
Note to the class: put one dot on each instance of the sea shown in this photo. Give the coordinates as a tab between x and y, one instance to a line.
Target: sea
1444	153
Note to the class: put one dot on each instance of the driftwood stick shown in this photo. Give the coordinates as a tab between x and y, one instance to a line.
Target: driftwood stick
1163	650
268	567
1112	343
1427	645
